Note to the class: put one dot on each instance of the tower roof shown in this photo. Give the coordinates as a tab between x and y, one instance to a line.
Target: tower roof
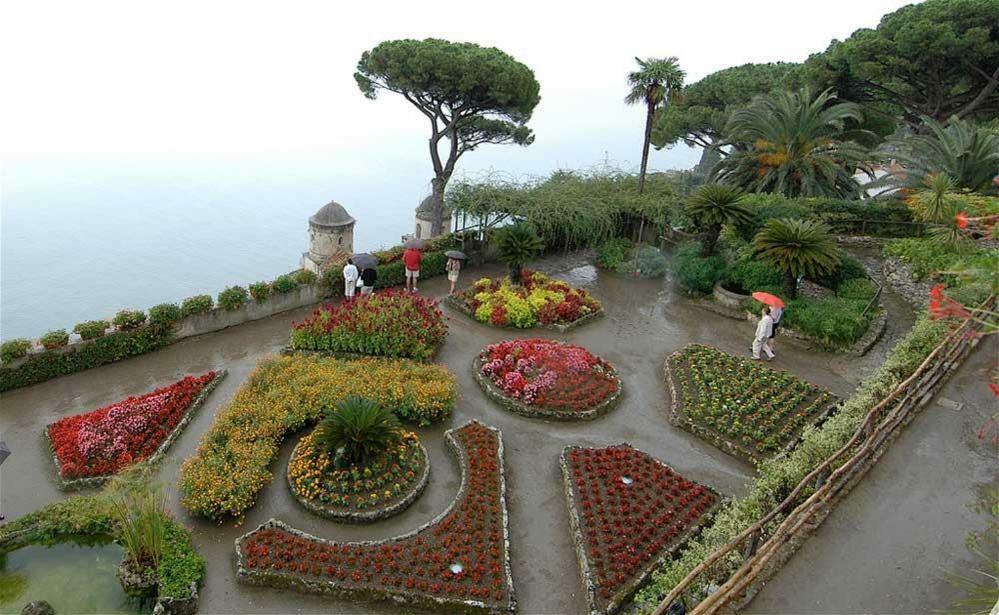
426	208
331	214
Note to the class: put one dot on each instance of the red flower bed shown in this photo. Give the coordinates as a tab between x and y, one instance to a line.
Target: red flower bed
548	374
628	511
460	558
106	440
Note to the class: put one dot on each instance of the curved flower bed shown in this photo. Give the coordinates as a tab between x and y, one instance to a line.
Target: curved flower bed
460	561
539	301
386	486
284	395
90	448
629	512
749	410
549	379
391	324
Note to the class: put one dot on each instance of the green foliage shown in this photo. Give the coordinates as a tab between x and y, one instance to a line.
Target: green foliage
54	339
614	253
923	257
358	430
848	268
695	273
126	320
107	349
198	304
797	248
14	349
965	153
165	314
233	298
180	564
714	205
284	284
877	217
142	526
835	321
91	329
305	277
857	288
517	244
260	291
795	144
655	82
748	275
650	262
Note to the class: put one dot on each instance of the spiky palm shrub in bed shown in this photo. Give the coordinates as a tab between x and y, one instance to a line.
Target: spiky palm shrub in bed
797	247
714	205
358	430
515	246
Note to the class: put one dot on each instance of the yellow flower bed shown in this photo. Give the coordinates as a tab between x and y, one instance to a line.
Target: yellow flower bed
284	395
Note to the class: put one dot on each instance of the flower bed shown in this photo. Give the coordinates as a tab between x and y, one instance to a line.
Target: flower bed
392	324
749	410
629	512
549	379
460	561
386	486
284	395
539	301
89	448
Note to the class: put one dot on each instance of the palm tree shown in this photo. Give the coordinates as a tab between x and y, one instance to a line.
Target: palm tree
795	144
937	204
713	205
967	153
655	84
515	245
358	430
797	248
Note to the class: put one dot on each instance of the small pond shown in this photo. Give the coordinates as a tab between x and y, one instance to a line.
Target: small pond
71	577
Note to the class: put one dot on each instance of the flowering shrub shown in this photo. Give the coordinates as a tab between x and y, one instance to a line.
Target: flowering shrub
539	299
382	482
233	298
54	339
103	441
91	329
392	324
198	304
627	511
14	349
458	560
126	320
165	314
756	409
548	374
284	395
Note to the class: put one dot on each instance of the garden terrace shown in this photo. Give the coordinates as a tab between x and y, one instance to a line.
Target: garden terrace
744	408
458	562
547	379
628	513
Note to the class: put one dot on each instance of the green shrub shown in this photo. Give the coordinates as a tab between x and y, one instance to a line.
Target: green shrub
357	430
849	269
614	253
390	274
433	264
857	288
284	284
749	275
165	314
304	277
260	291
924	257
695	273
198	304
54	339
972	294
650	262
127	320
233	298
14	349
832	320
91	329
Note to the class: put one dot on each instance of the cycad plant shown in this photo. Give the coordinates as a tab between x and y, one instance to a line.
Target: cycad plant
796	144
515	246
654	84
357	431
797	248
937	204
959	149
714	205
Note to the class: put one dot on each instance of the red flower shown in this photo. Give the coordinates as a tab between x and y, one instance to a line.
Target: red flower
942	306
961	220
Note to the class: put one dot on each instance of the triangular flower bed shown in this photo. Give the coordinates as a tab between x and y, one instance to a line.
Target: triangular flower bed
738	404
90	448
629	512
460	561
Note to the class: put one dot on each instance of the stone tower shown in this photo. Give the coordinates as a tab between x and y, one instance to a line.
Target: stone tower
331	233
424	218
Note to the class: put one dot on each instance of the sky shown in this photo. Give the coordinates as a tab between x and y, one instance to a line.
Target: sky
249	79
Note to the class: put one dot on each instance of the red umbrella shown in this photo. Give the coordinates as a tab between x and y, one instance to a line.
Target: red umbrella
768	299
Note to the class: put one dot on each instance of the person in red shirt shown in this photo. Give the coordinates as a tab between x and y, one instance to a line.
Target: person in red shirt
411	258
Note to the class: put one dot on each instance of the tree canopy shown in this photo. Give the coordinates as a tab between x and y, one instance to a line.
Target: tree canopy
939	58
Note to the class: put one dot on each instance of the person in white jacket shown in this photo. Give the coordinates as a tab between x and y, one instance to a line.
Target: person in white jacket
349	279
764	329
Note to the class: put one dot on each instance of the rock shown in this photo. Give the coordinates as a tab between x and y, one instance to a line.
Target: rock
38	607
137	582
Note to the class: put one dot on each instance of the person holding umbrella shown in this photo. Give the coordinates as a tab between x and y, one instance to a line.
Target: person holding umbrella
766	328
366	263
453	267
411	259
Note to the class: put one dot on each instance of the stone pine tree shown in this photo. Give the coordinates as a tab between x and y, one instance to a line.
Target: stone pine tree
471	95
654	84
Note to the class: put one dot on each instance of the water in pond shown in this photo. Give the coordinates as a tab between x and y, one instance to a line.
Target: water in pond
72	578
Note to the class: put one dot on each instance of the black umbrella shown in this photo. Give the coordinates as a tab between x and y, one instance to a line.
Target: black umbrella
415	243
458	254
365	261
4	451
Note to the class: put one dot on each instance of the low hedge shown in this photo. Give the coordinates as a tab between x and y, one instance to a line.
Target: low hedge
112	347
833	321
285	395
877	217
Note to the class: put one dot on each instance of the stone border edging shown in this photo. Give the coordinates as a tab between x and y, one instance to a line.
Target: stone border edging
456	304
398	596
625	594
365	516
534	412
96	481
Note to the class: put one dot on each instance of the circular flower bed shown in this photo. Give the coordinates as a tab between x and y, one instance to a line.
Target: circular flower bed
391	324
549	379
539	300
383	487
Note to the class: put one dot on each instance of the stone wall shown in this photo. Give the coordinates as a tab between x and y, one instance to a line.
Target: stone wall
218	319
898	275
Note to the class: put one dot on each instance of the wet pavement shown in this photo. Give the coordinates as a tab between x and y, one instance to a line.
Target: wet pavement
645	321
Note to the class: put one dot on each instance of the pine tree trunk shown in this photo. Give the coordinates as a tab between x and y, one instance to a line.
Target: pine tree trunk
437	215
649	115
